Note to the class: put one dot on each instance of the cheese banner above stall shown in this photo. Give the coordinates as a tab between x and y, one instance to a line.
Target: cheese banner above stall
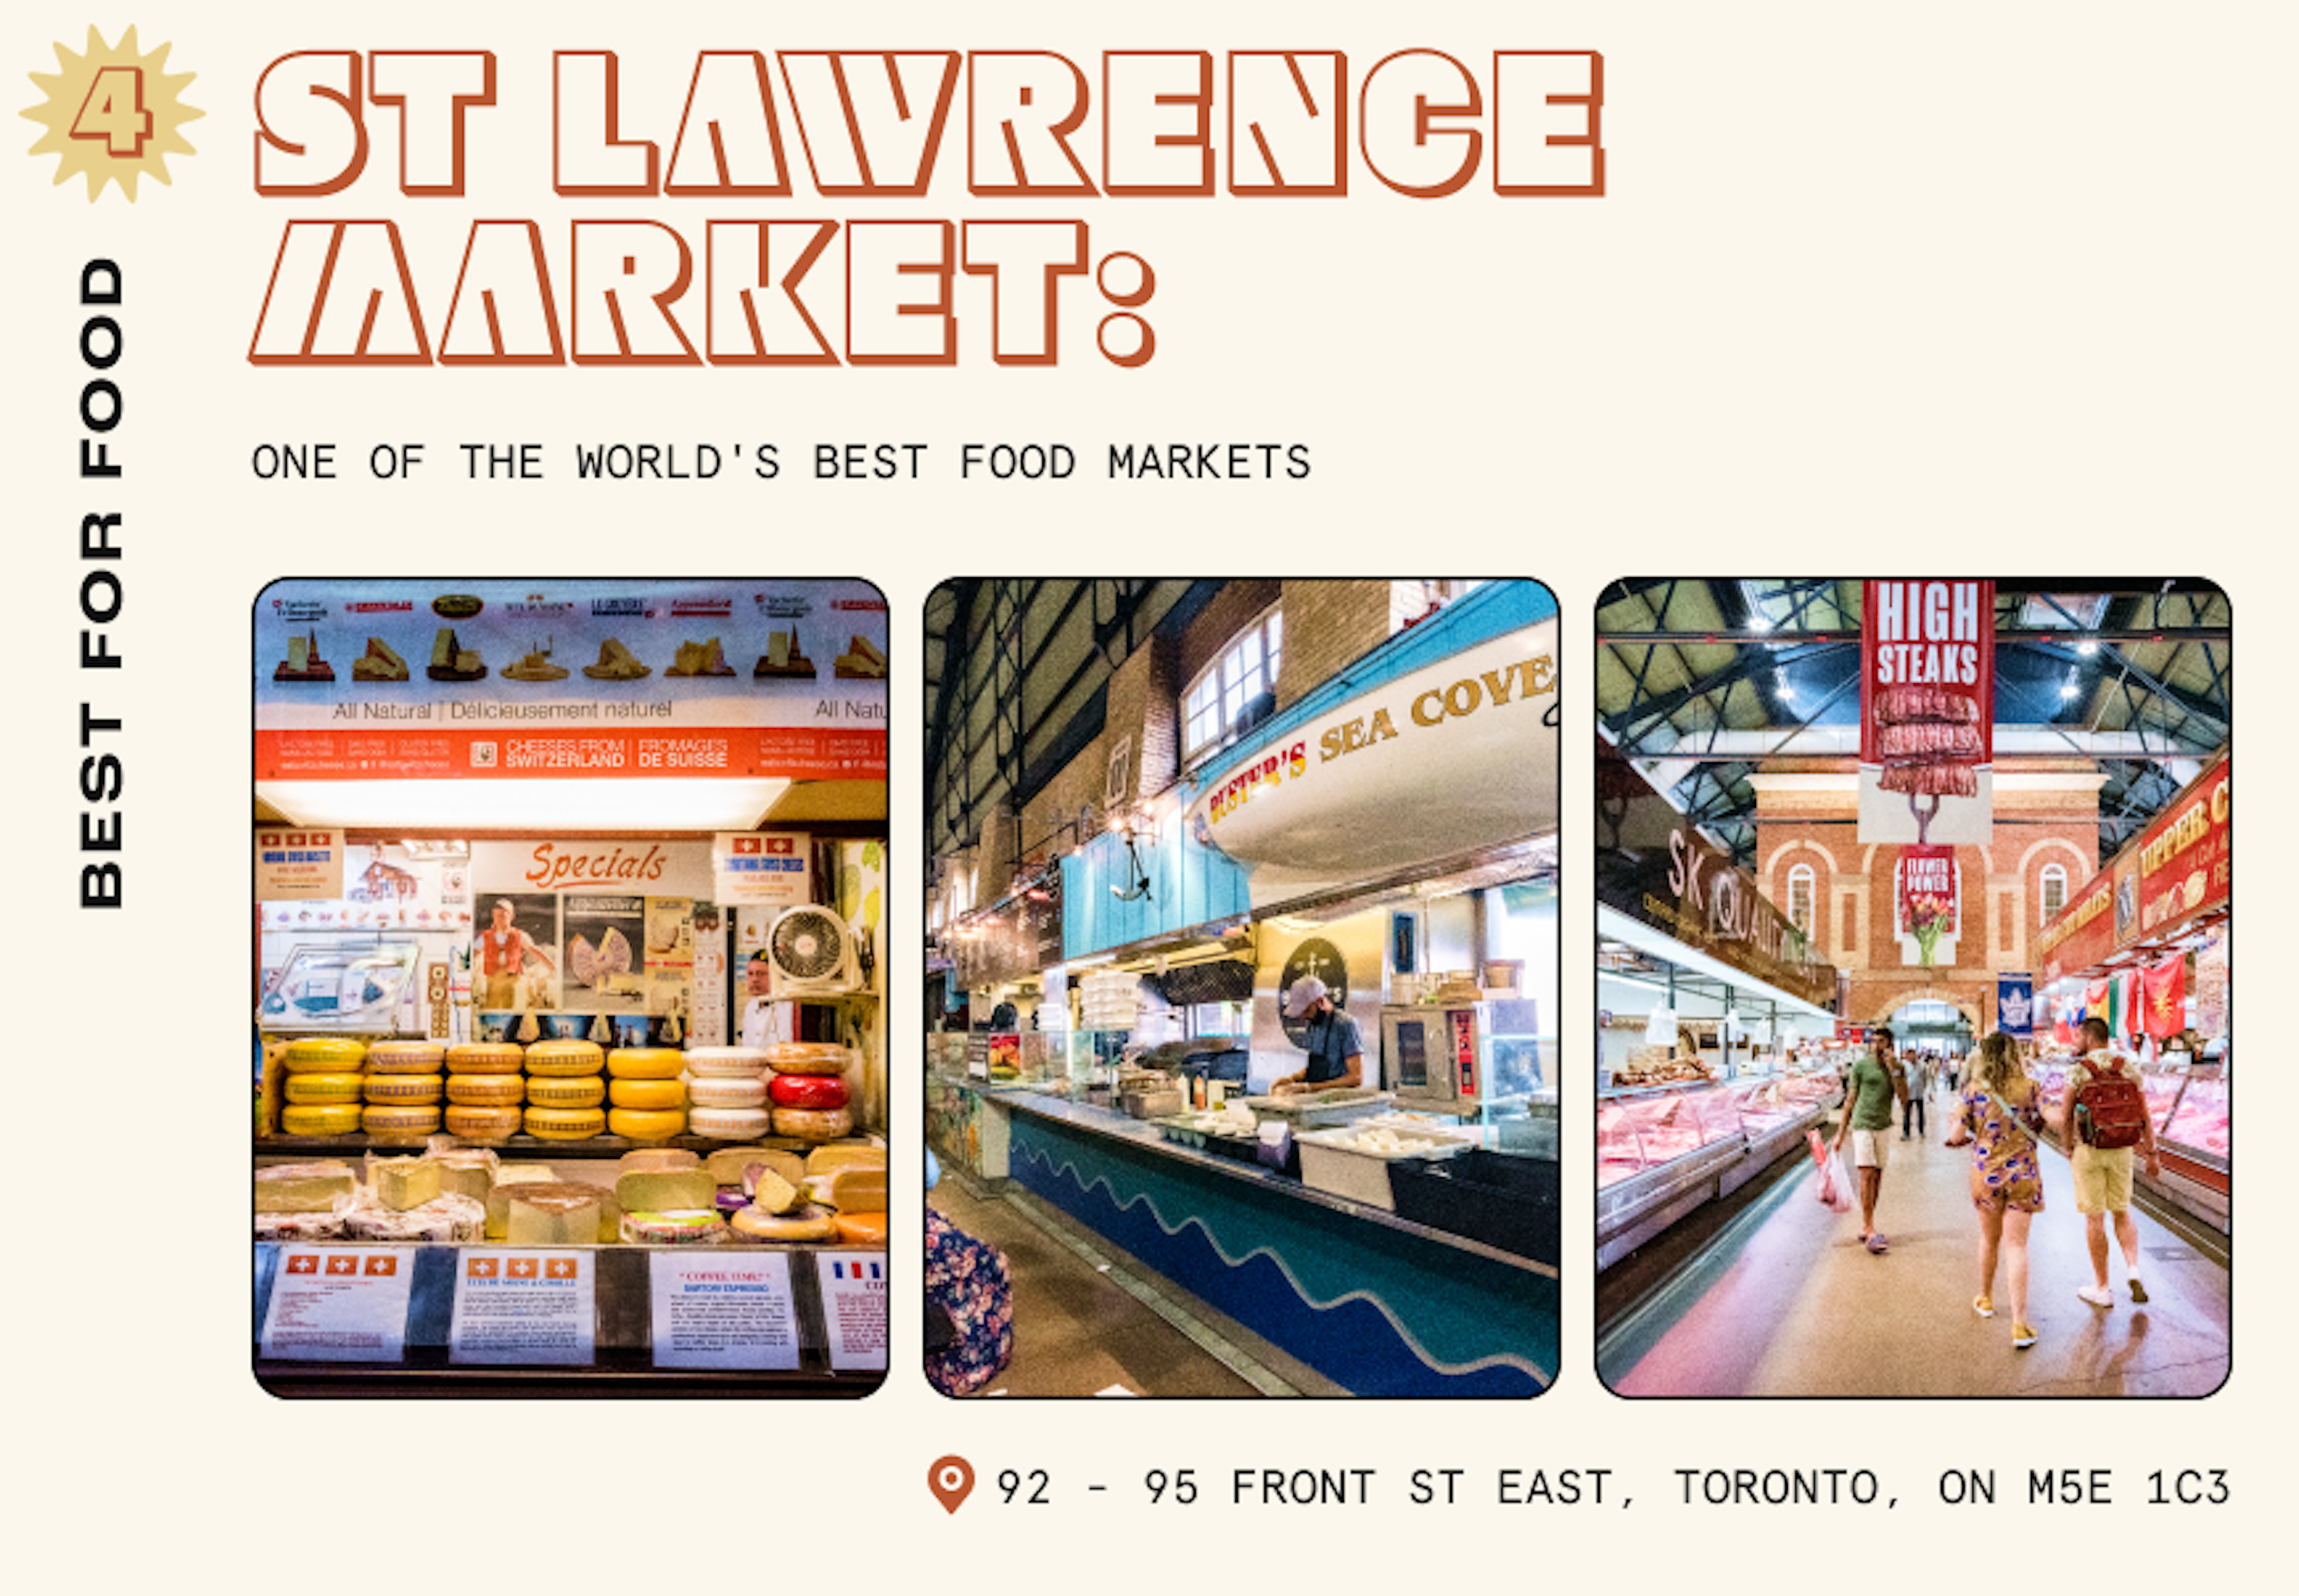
399	680
1440	743
2180	871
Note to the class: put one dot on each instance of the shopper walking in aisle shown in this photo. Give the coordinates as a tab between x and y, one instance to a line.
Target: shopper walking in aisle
2003	1112
1917	1069
2108	1124
1869	1086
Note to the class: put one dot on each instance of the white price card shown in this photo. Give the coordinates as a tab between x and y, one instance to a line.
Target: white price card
523	1307
339	1305
854	1307
716	1308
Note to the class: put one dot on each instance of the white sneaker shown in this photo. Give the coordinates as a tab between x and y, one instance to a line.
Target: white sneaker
2098	1296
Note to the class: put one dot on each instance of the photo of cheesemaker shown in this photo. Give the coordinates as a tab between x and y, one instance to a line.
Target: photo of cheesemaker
569	1035
1241	988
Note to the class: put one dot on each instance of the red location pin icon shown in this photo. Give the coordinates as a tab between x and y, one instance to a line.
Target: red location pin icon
951	1480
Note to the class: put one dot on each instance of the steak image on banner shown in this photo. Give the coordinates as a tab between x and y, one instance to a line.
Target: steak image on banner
1961	815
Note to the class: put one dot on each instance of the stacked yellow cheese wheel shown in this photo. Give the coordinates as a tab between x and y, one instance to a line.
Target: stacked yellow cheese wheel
486	1091
483	1122
320	1119
565	1055
565	1090
325	1055
565	1125
318	1086
647	1093
646	1125
404	1058
645	1063
399	1121
484	1058
405	1088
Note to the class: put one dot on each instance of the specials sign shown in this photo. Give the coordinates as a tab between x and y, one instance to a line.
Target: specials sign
1454	756
1927	712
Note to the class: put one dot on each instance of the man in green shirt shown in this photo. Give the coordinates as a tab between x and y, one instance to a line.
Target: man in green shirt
1872	1086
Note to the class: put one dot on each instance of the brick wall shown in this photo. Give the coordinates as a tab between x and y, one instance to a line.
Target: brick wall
1236	604
1328	624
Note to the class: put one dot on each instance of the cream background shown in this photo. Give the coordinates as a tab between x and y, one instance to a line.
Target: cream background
1969	288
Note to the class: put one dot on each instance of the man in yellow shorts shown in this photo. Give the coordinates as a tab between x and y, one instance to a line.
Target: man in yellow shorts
2102	1177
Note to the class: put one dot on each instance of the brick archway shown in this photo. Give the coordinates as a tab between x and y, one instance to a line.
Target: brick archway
1874	1002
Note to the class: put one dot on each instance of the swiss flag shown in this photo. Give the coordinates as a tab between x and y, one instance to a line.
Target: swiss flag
563	1269
522	1268
342	1264
304	1263
480	1269
747	844
382	1263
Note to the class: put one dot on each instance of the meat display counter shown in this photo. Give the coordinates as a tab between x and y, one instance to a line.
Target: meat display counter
1662	1151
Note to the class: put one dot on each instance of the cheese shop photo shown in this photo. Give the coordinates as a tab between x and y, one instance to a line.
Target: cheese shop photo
569	1033
1241	988
1872	856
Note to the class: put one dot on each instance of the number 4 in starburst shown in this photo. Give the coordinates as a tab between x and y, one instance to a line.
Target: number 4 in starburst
113	112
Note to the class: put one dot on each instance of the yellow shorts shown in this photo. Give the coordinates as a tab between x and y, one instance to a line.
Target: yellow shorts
2102	1179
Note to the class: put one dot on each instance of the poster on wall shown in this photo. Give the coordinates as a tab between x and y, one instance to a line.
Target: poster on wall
298	864
500	680
603	933
1927	898
516	965
707	989
1927	712
762	867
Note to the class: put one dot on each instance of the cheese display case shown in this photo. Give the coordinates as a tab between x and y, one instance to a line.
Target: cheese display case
569	1079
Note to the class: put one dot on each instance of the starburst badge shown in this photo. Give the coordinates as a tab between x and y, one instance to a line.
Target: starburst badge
113	114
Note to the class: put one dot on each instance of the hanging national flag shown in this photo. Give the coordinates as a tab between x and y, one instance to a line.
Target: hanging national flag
2015	1005
2096	1000
2165	1010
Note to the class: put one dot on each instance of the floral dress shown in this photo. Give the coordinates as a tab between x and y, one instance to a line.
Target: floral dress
2004	1172
969	1279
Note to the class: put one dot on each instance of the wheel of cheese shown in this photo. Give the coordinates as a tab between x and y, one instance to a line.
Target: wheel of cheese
566	1055
566	1092
678	1228
726	1061
404	1058
484	1058
565	1125
645	1063
405	1088
657	1157
316	1087
806	1225
808	1058
726	1091
399	1119
646	1094
320	1118
728	1124
477	1090
335	1053
808	1091
483	1123
813	1125
646	1125
862	1230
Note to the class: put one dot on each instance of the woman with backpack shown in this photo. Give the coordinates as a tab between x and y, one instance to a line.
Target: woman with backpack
2001	1115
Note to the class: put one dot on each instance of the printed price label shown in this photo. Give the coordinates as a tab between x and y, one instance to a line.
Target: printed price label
339	1305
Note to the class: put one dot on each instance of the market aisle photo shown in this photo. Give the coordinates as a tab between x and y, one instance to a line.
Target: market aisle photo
1785	1301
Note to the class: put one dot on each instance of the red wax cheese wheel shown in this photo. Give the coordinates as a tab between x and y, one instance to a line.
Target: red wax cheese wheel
645	1063
808	1091
485	1090
813	1125
862	1230
484	1058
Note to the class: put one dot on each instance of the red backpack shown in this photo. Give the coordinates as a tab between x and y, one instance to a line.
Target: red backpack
2111	1110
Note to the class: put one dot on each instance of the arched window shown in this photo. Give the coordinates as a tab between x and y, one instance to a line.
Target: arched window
1245	668
2053	888
1801	882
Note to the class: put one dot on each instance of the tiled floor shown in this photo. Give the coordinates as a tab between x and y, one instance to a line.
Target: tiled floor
1076	1332
1787	1303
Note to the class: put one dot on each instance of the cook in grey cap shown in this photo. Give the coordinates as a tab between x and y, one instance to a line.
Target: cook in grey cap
1336	1052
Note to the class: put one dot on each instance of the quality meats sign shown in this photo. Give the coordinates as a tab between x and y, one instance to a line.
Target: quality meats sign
1927	712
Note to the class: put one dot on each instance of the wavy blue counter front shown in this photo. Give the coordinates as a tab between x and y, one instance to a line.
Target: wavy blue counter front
1379	1305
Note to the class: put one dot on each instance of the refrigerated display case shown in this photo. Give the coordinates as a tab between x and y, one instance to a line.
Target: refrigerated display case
1662	1151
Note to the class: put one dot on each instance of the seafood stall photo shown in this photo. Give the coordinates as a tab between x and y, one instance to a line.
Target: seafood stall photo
1915	1063
1241	993
569	1052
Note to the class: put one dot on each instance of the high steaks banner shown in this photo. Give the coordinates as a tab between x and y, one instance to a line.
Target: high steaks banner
398	680
1927	712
